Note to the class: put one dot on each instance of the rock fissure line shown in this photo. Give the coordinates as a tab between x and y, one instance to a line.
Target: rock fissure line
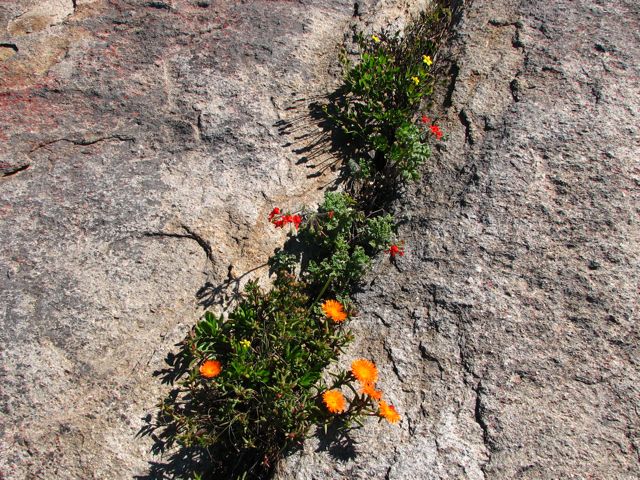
190	234
7	172
84	142
12	46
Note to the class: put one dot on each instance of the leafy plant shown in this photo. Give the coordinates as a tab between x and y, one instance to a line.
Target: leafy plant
344	240
380	94
408	152
254	383
271	350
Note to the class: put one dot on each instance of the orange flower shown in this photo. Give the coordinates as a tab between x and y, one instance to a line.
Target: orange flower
370	390
210	369
334	310
365	371
388	411
334	401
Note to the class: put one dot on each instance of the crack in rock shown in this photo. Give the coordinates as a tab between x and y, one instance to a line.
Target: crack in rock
84	142
12	170
204	244
12	46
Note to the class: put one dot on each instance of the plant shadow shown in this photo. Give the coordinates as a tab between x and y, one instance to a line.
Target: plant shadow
316	138
337	442
225	294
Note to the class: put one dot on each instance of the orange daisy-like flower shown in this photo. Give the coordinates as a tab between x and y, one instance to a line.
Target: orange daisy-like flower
334	310
334	401
388	412
365	371
369	389
210	369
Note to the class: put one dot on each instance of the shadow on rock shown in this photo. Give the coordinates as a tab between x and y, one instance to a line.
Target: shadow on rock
180	464
316	138
337	442
227	293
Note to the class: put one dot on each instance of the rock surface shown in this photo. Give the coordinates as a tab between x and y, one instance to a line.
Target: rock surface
139	156
508	334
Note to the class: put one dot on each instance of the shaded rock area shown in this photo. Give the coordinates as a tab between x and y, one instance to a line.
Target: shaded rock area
508	334
140	155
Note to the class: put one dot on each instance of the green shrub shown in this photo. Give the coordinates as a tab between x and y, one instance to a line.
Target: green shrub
380	94
253	384
271	350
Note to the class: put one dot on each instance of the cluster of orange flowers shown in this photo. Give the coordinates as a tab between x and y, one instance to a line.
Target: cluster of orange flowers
366	373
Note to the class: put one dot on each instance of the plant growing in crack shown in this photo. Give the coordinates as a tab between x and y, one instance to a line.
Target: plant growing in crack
252	383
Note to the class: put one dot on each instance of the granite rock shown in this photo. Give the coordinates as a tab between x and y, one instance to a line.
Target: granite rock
507	336
140	154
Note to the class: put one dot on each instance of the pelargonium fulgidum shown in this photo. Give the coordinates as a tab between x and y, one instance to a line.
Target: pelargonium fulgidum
395	250
280	220
435	129
274	212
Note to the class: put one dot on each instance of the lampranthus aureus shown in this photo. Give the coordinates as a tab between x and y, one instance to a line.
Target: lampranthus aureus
334	401
210	369
334	310
365	371
388	412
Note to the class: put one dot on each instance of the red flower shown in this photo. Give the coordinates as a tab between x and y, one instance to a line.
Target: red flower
274	212
395	250
425	119
330	214
436	131
280	221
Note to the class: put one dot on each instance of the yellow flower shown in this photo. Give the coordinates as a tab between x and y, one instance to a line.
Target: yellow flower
389	412
334	310
334	401
427	59
415	80
245	343
210	368
365	371
375	38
